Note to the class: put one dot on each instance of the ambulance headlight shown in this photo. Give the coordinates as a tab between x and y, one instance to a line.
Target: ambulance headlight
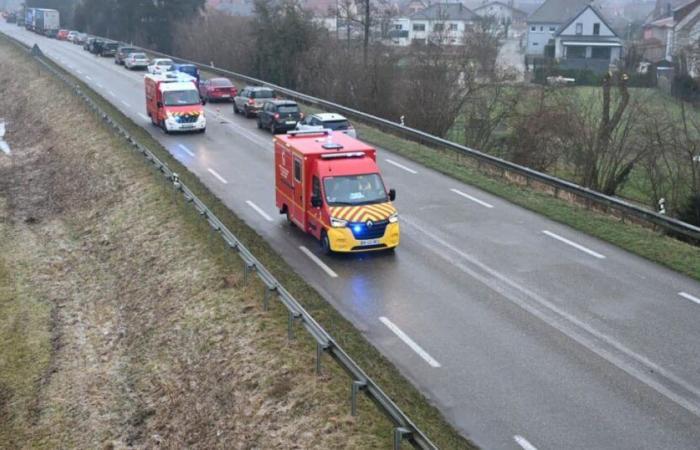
338	223
394	218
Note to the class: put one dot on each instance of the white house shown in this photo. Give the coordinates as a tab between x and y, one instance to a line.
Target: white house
543	24
503	13
587	41
441	22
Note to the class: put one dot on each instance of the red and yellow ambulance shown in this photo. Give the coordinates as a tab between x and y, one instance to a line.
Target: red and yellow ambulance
329	185
173	102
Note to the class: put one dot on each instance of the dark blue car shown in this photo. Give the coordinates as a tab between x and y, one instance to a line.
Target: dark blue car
189	69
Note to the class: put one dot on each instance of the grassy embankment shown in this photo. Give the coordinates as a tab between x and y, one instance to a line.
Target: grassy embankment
122	322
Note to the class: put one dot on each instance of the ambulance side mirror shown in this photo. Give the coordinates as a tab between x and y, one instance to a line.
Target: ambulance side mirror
316	202
392	194
159	104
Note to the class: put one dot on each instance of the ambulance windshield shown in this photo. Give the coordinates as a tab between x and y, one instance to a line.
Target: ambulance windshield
180	98
354	190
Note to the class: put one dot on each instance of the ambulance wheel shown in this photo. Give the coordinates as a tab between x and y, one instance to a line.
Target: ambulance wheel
289	217
165	129
325	244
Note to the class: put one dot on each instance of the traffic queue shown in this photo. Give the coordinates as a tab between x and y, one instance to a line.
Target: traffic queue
327	182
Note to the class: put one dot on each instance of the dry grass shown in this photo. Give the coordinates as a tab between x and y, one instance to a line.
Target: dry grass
121	324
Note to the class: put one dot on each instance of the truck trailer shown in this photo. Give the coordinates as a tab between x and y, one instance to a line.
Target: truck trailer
329	185
46	20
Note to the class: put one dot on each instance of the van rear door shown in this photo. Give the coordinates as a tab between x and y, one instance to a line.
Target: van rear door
298	210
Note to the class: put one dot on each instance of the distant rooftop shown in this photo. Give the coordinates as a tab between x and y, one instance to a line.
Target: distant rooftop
557	11
445	11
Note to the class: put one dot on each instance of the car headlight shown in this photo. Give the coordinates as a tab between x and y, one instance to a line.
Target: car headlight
338	223
394	218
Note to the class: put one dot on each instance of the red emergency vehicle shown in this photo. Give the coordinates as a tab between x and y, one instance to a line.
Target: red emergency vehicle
328	184
173	102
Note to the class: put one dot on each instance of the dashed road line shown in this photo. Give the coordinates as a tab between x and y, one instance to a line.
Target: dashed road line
318	261
99	85
410	342
191	153
125	104
88	77
573	244
521	441
216	175
112	93
143	116
472	198
401	166
259	210
692	298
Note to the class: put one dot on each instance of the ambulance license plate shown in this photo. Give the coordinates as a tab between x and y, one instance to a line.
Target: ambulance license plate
369	242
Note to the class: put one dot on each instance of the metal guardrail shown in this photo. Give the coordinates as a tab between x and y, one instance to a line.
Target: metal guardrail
404	428
590	197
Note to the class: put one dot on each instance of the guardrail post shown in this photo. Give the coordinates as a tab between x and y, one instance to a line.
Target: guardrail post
290	325
399	434
319	353
247	268
266	297
357	386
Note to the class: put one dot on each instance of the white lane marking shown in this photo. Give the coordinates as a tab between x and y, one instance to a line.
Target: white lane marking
79	71
318	261
143	116
401	166
689	297
126	104
191	153
474	199
575	332
112	93
573	244
410	342
521	441
213	172
87	77
259	210
3	145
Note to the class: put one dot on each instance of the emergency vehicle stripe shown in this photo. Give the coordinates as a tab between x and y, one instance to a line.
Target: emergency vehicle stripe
356	214
379	209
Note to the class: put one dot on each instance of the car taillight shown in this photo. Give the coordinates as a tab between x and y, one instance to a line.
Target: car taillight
251	101
301	115
277	115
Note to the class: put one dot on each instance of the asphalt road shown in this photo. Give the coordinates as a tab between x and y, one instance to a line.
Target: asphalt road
524	332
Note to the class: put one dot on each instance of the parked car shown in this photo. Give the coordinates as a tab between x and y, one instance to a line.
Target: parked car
221	89
250	100
189	69
80	39
109	48
71	35
136	60
122	52
62	35
96	46
330	121
160	65
279	115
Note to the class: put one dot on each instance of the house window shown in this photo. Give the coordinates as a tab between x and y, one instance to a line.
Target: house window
533	28
453	27
418	27
596	29
541	28
601	53
552	29
398	27
579	28
576	52
438	27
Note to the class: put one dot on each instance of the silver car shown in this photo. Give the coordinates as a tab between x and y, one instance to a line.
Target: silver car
331	121
136	60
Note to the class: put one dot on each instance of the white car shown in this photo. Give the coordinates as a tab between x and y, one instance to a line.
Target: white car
330	121
160	65
136	60
72	35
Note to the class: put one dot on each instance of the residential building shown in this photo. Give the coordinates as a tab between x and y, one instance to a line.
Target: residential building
503	13
657	40
544	23
685	46
586	41
445	23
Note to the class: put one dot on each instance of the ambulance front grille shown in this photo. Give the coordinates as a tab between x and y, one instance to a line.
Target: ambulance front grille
362	232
